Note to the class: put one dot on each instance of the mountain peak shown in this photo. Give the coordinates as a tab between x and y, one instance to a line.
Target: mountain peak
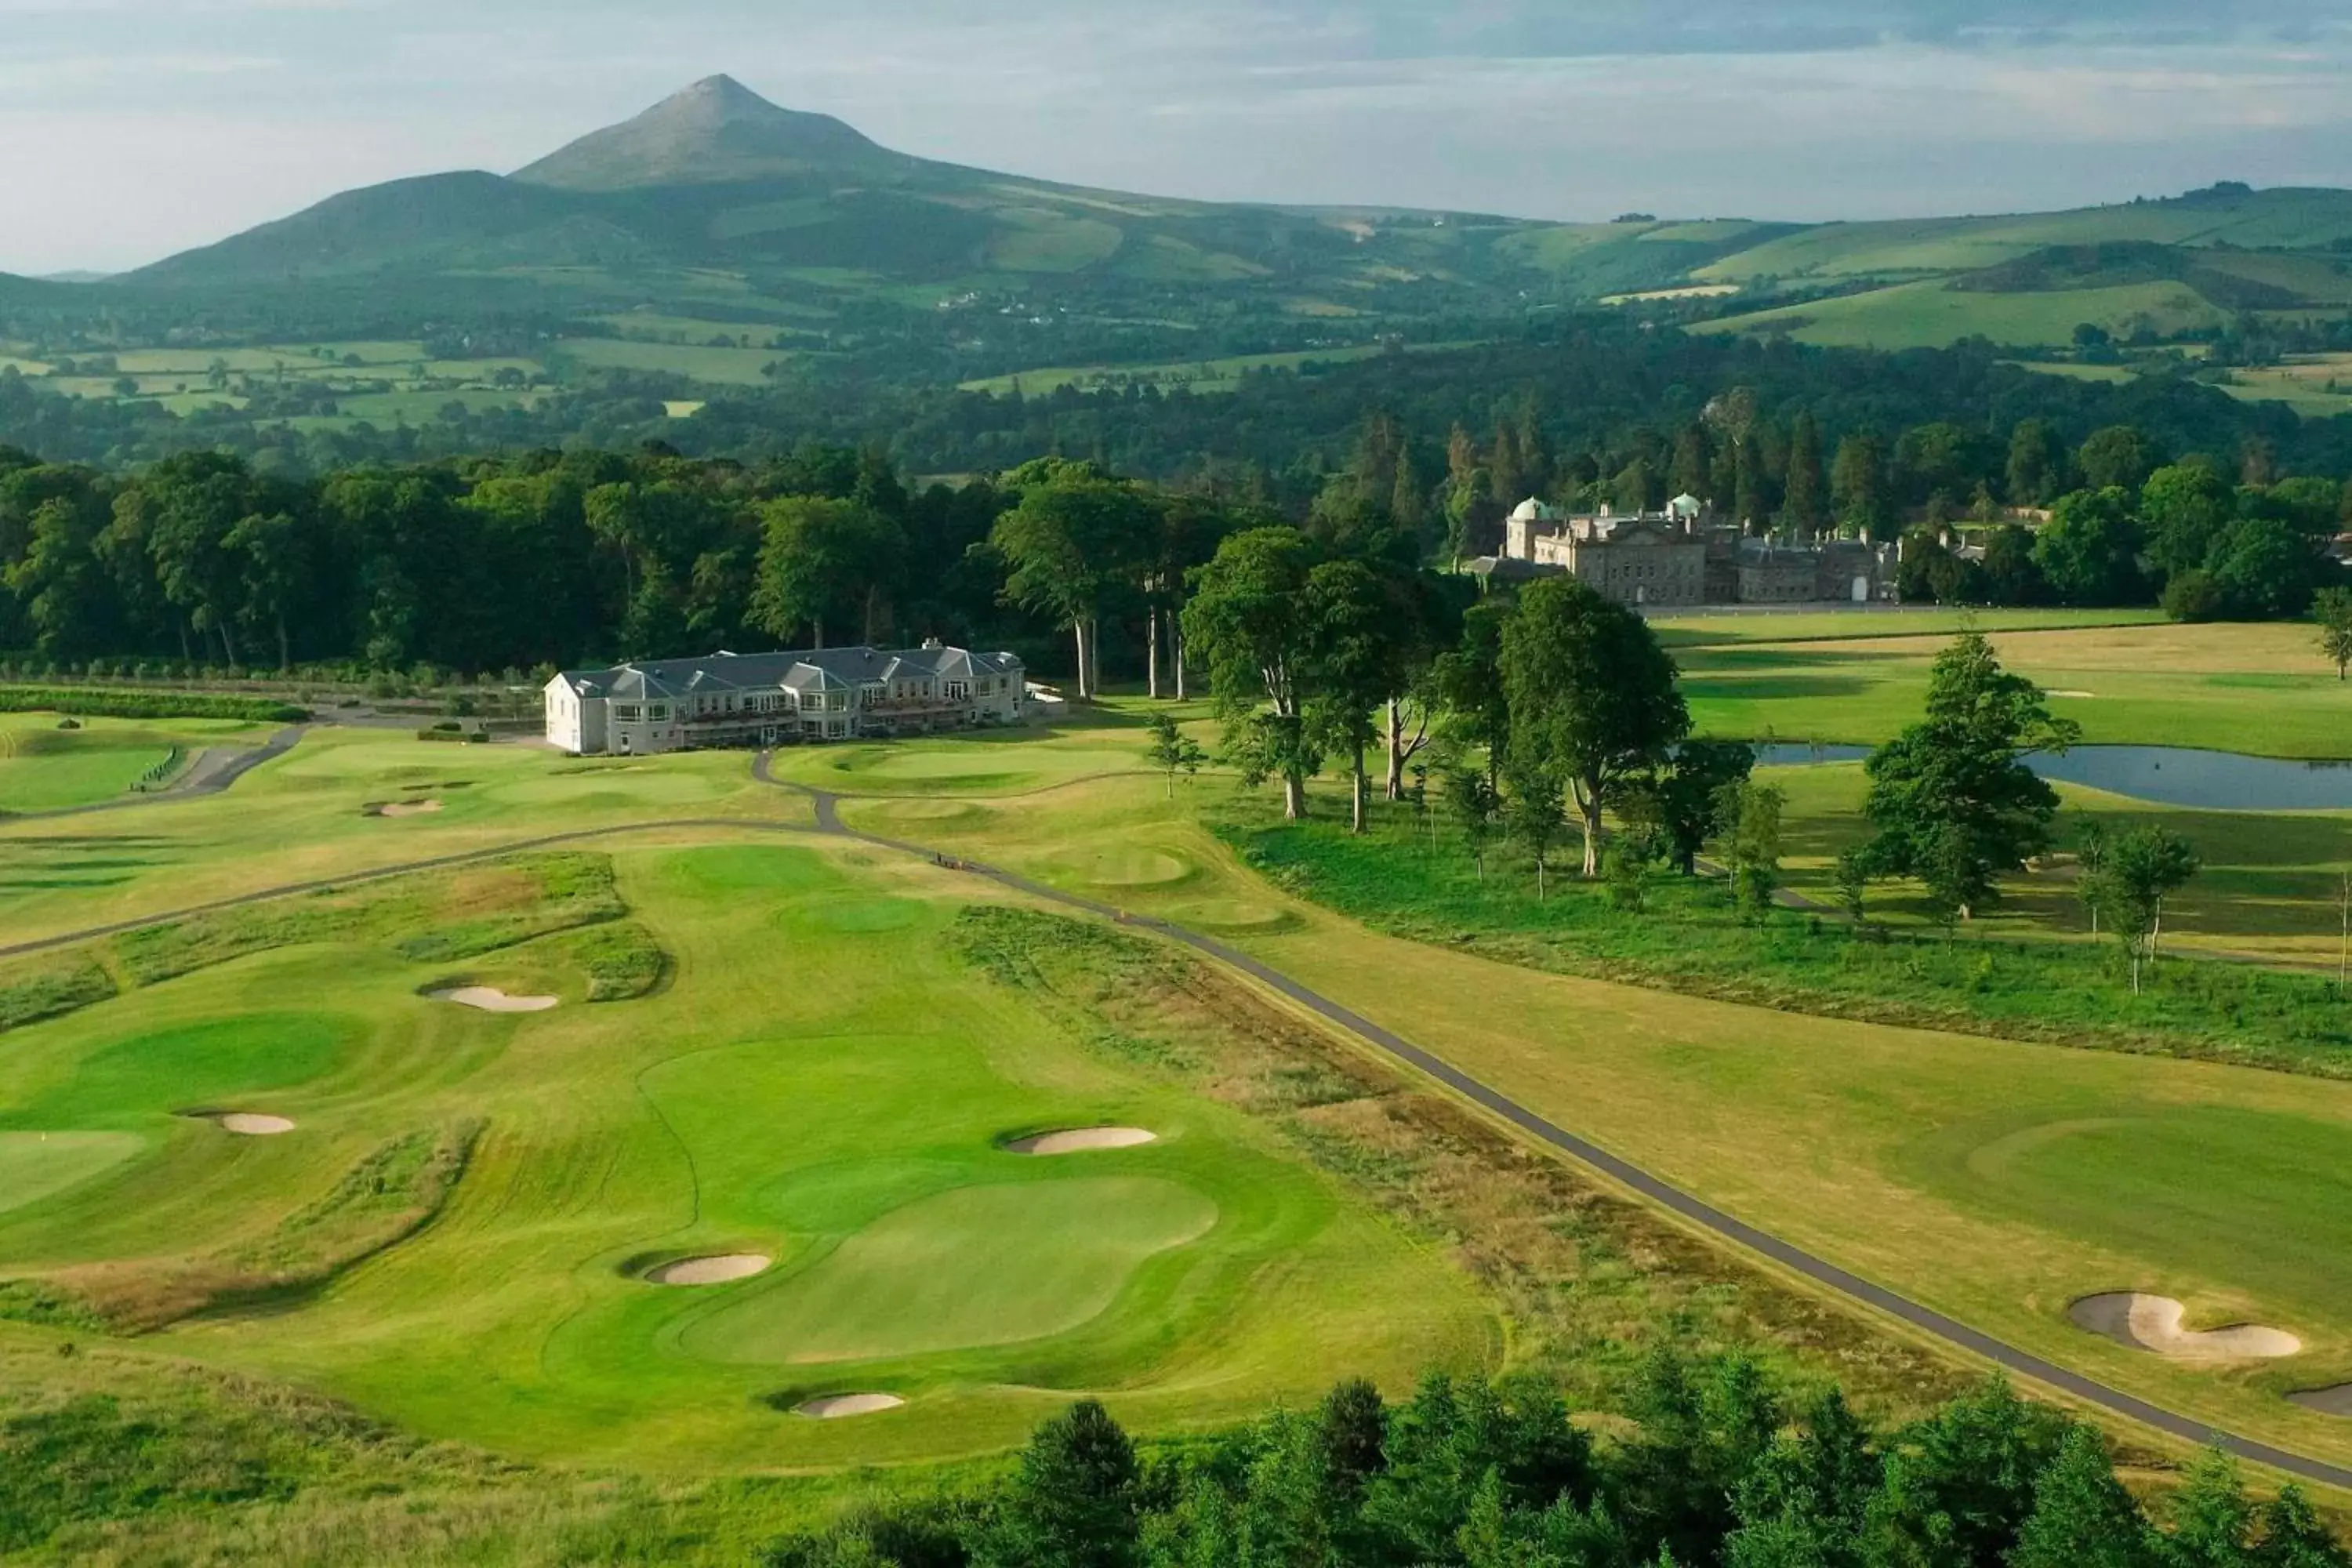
717	129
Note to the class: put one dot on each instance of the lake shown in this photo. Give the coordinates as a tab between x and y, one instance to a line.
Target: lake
2164	776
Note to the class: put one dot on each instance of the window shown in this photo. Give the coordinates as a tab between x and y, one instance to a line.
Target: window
658	711
958	691
627	713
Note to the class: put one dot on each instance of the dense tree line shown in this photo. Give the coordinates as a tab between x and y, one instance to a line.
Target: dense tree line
488	563
2205	542
491	562
1721	1468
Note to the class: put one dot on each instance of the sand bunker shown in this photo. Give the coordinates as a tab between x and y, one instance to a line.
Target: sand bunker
1081	1140
2153	1323
2078	695
2335	1401
246	1124
833	1406
489	999
404	808
719	1270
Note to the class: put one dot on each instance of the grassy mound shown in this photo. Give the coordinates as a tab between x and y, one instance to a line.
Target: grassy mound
979	1266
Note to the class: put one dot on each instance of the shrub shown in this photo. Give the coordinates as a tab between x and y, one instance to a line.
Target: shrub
82	702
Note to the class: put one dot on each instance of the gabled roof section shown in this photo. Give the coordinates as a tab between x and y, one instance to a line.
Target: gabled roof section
811	670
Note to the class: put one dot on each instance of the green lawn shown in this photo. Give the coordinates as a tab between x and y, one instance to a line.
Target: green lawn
1709	628
821	1076
777	1096
45	768
2262	689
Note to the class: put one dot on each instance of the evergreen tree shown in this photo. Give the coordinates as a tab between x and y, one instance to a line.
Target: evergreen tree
2082	1515
1072	1502
2292	1535
1858	486
1803	498
2212	1521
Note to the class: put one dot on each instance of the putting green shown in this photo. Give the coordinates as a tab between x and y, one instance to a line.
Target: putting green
1125	866
749	868
1232	915
864	917
33	1165
641	784
977	1267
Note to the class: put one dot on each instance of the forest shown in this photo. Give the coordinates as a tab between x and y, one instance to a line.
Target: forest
1467	1473
530	560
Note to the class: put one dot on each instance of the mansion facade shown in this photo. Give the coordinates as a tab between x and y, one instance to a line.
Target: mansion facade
781	698
1681	556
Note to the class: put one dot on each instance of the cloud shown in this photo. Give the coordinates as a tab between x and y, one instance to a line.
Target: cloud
231	111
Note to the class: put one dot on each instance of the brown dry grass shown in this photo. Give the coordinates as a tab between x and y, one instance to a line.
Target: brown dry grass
381	1202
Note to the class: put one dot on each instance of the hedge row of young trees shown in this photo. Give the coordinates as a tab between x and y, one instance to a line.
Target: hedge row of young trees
1719	1468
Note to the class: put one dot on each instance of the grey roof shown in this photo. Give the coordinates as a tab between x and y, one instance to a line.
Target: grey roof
809	669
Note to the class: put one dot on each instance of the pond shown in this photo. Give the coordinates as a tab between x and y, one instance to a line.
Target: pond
2164	776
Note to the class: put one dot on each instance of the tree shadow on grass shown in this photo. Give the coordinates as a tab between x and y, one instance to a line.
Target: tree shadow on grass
1740	690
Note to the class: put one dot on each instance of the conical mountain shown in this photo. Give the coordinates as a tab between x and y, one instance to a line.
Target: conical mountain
716	131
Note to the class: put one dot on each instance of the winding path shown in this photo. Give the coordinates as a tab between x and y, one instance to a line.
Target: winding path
215	769
1693	1209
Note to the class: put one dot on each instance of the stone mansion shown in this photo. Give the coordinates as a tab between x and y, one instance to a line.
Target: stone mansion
1684	556
781	698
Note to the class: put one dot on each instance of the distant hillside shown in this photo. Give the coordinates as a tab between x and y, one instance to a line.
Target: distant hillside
800	207
719	241
2158	269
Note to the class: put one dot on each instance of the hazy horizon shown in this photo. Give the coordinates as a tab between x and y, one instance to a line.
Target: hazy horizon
226	113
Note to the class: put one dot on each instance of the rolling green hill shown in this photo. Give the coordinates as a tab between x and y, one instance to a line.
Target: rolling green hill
719	180
719	241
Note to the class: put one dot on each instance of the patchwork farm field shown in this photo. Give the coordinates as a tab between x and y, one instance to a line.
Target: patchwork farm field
633	1122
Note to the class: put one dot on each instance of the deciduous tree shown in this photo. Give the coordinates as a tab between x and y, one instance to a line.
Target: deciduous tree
1593	698
2331	608
1952	798
1248	623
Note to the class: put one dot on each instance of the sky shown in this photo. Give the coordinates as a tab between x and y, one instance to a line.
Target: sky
132	129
